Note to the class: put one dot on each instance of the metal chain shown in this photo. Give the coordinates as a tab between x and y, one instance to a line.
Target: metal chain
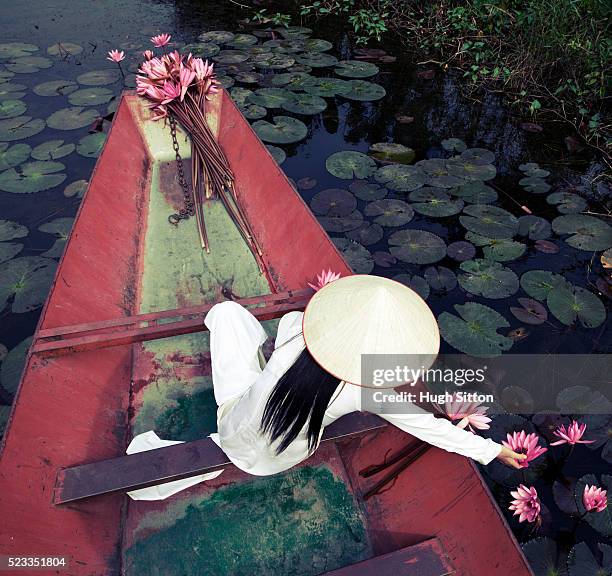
188	208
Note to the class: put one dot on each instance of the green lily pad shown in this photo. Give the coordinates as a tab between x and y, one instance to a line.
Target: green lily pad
587	232
293	31
27	279
357	257
325	87
32	177
63	49
356	69
20	127
440	278
530	312
435	203
350	164
240	95
475	331
488	278
478	156
367	234
475	192
534	185
333	202
400	177
489	221
10	230
416	283
55	88
12	365
231	57
461	251
9	250
11	108
364	91
28	64
384	259
316	59
306	104
16	50
273	61
570	303
91	145
99	77
226	81
284	46
437	173
534	227
283	130
13	155
216	36
201	49
500	249
71	118
285	78
417	246
269	97
277	153
454	145
533	169
76	188
52	150
392	152
248	77
341	224
252	111
566	202
582	562
538	283
468	170
5	75
389	212
60	227
368	191
91	96
317	45
10	91
241	41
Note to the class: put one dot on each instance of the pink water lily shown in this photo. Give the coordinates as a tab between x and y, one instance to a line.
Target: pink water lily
524	444
161	40
171	90
186	77
148	54
324	278
470	414
526	504
594	499
116	56
571	435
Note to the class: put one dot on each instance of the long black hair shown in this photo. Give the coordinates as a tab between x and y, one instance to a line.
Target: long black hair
301	395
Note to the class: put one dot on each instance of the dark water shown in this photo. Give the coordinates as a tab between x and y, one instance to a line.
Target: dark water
440	110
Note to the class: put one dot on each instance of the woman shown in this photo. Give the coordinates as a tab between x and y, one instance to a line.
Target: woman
271	416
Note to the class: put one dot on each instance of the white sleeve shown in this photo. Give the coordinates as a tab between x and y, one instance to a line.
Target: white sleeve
289	326
443	434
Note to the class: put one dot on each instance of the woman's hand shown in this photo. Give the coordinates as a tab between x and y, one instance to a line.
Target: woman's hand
510	458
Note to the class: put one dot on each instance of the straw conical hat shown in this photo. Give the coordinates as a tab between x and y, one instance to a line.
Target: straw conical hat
365	314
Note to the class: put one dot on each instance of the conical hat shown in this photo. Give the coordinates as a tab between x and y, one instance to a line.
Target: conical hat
365	314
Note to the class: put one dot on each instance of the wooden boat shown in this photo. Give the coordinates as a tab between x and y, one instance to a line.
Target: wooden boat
109	384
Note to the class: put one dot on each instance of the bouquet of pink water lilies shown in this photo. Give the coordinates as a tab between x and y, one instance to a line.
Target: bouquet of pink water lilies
178	88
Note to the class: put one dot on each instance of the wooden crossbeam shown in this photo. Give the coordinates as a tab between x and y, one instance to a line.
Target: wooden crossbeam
143	469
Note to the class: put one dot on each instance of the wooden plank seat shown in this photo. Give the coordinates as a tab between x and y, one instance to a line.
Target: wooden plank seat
425	559
142	469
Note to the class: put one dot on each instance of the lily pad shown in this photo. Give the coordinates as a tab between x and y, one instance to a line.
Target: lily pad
10	91
437	173
32	177
357	257
489	221
9	250
368	191
52	150
11	108
20	127
55	88
284	46
12	365
475	332
435	203
248	77
325	87
416	283
60	227
285	78
91	145
587	232
417	246
341	224
349	164
384	259
566	202
5	75
317	45
470	170
478	156
316	59
530	312
13	155
76	188
283	130
544	558
475	192
91	96
71	118
533	169
392	152
202	49
63	49
501	249
306	104
356	69
488	278
231	57
27	279
240	95
546	247
364	91
241	41
273	61
570	303
538	283
534	227
582	562
461	251
28	64
333	202
269	97
277	153
389	212
10	230
440	278
454	145
400	177
252	111
367	234
216	36
16	50
99	77
534	185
